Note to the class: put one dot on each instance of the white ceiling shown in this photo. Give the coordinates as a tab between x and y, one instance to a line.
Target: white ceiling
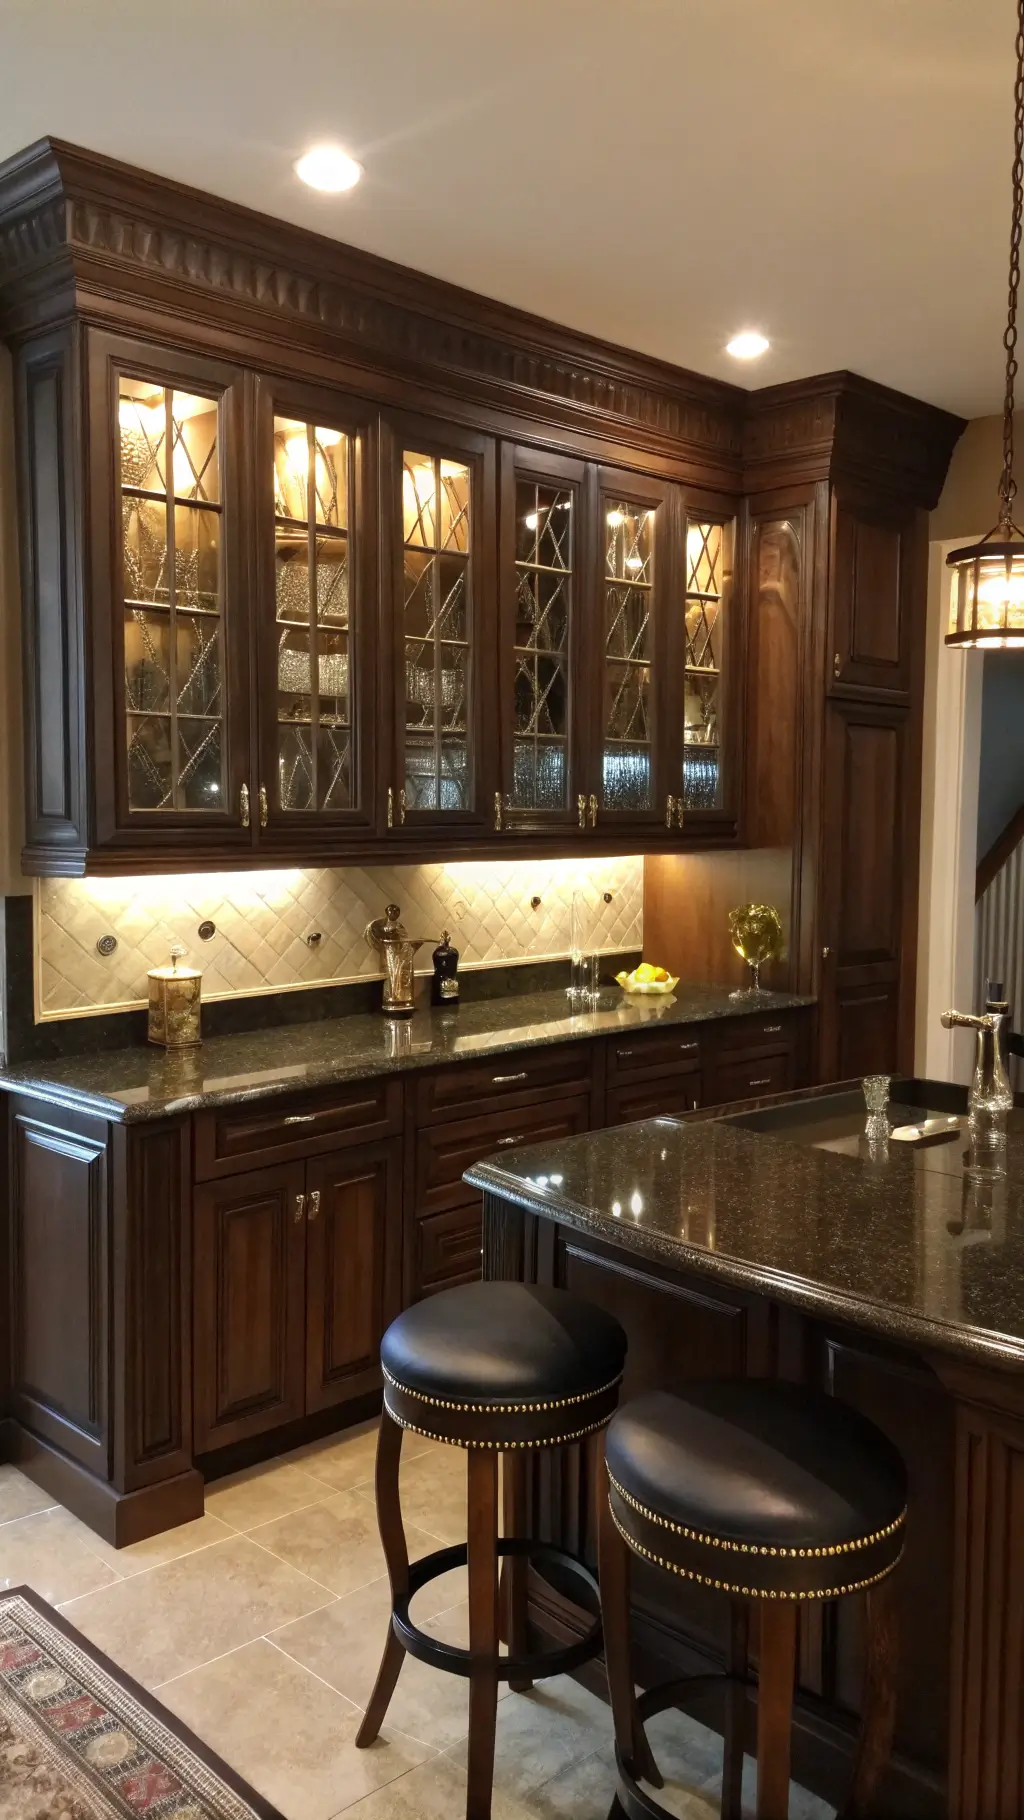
659	172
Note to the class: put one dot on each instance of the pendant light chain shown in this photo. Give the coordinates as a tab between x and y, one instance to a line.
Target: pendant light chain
1007	484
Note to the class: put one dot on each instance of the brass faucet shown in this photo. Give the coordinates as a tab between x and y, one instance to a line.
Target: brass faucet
398	950
990	1090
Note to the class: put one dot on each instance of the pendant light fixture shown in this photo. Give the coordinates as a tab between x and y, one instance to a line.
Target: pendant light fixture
987	601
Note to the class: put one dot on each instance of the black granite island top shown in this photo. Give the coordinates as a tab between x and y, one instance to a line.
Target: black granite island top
143	1082
910	1246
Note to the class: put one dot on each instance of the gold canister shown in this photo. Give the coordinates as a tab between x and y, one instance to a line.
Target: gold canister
174	1000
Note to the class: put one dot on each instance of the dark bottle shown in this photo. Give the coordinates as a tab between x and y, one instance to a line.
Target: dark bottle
444	988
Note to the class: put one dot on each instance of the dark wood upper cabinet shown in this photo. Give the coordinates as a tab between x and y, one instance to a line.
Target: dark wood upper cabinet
545	533
316	606
438	632
272	602
874	549
168	594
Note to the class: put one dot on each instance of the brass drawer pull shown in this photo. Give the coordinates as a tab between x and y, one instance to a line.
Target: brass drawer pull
765	1081
503	1080
685	1046
504	1142
301	1118
300	1209
243	804
622	1055
772	1029
314	1204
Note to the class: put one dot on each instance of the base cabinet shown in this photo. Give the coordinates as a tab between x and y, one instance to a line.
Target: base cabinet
294	1286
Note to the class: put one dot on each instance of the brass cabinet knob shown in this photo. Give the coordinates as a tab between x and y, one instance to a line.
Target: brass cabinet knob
670	811
300	1209
837	667
594	805
498	824
396	807
264	806
314	1204
826	951
243	804
581	810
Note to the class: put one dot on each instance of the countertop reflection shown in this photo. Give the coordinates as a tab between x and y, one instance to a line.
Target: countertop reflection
911	1246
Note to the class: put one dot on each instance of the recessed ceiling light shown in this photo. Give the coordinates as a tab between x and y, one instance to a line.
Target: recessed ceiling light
747	346
327	167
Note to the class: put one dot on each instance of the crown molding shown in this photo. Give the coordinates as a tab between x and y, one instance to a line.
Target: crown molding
87	234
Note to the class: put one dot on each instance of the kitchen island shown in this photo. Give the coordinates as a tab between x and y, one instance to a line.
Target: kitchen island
786	1245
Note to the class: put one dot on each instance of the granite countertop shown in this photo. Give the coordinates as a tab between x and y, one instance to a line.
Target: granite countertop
907	1245
144	1082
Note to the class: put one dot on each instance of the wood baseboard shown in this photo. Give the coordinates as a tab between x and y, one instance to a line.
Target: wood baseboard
119	1517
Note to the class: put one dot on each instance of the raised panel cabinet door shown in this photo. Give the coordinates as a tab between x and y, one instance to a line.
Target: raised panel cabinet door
439	627
354	1234
59	1263
249	1271
544	530
169	601
862	871
317	631
875	565
633	768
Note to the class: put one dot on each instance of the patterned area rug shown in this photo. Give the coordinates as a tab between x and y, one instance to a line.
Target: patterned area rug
79	1740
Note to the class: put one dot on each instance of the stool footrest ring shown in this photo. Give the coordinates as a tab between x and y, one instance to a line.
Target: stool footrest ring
455	1661
635	1801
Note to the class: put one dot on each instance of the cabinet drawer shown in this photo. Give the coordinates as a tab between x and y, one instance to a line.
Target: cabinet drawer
666	1098
448	1249
445	1152
633	1057
750	1079
296	1125
767	1034
512	1080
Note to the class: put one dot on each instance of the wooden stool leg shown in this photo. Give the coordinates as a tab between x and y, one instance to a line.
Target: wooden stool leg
396	1554
614	1576
515	1569
878	1700
735	1712
483	1628
779	1621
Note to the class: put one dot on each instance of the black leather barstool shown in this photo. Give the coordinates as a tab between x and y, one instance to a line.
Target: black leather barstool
497	1368
772	1495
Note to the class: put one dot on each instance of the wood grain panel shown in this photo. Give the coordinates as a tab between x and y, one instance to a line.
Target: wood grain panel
250	1256
445	1152
59	1260
447	1249
871	606
153	1219
353	1233
687	899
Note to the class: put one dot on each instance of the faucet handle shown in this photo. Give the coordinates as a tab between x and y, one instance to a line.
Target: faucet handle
966	1020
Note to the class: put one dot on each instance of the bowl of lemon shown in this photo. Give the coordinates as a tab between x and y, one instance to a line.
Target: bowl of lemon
647	980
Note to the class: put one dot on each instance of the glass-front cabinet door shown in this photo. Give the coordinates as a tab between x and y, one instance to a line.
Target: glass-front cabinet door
543	536
706	615
316	685
636	527
442	655
177	714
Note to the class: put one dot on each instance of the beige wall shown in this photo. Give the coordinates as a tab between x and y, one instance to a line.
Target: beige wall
969	504
11	816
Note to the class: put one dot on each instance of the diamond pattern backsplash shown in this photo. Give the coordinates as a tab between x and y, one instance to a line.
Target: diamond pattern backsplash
263	920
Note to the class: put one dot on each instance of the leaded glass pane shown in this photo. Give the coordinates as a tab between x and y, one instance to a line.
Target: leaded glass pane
436	506
311	482
627	782
195	458
544	582
708	584
629	545
171	572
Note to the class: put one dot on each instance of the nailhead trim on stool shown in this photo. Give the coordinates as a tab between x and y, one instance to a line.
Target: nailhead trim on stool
752	1592
502	1408
755	1548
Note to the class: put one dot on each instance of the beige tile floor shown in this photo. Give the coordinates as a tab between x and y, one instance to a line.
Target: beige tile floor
261	1626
